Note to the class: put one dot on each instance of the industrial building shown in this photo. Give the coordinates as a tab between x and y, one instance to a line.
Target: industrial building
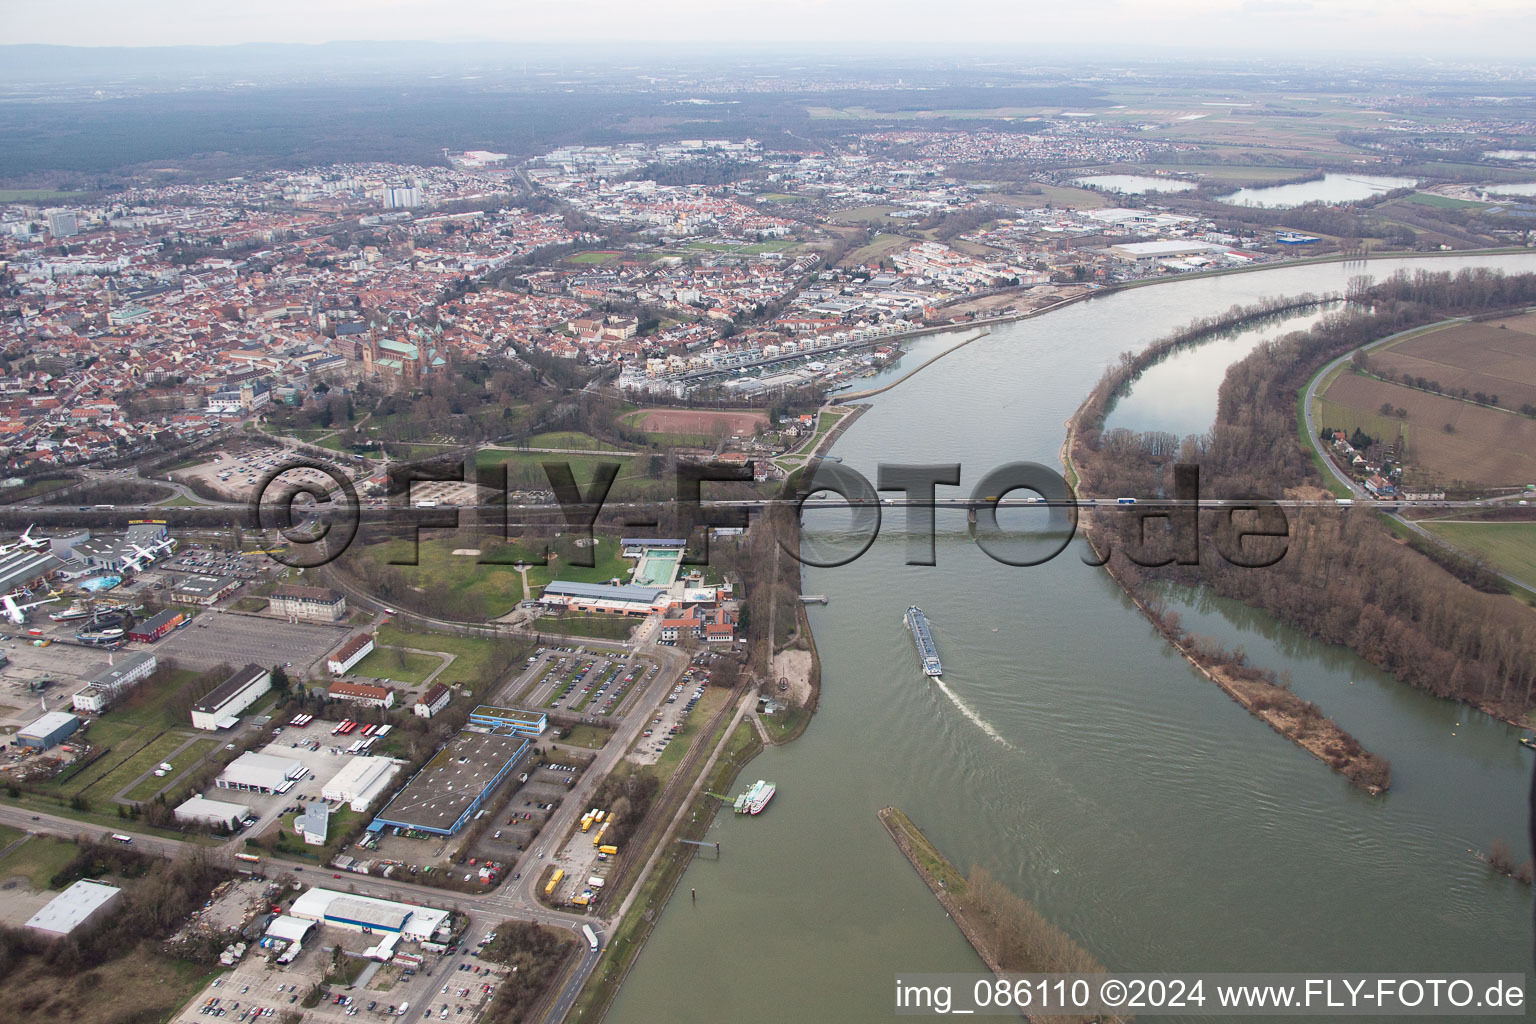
219	710
365	913
79	907
154	628
1147	252
350	653
117	554
107	686
27	568
50	730
434	700
362	781
522	723
204	590
450	788
362	693
604	598
261	773
320	603
199	810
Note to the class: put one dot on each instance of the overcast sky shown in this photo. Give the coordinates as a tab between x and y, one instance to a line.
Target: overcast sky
1428	28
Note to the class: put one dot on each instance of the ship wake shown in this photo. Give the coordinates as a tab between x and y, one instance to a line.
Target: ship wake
969	712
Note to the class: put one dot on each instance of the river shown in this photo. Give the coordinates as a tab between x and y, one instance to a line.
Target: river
1074	755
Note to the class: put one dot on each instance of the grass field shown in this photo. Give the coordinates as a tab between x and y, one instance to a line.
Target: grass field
878	248
570	439
600	627
472	654
143	985
865	215
1443	202
184	761
1055	195
104	779
593	737
783	197
38	860
396	665
1510	547
595	256
748	249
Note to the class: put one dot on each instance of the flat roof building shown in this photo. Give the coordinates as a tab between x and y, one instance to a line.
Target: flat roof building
80	906
260	773
605	598
219	709
450	788
122	672
361	781
523	723
199	810
204	590
365	913
49	730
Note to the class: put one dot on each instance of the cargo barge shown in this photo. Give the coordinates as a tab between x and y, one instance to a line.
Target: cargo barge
922	636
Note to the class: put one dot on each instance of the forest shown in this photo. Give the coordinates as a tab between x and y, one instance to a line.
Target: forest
1344	577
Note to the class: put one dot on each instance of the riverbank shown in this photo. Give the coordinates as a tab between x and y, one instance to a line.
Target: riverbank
1299	721
1003	928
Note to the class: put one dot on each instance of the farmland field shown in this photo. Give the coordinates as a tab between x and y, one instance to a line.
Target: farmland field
1484	446
1510	547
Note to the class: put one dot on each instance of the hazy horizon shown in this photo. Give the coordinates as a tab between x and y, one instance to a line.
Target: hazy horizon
1363	29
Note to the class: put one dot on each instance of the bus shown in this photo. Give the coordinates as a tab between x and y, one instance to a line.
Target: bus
249	858
122	838
591	935
384	730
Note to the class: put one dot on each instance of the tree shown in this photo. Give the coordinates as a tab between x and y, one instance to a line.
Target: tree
280	681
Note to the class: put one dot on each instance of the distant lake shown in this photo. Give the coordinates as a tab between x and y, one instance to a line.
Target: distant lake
1135	184
1524	188
1331	188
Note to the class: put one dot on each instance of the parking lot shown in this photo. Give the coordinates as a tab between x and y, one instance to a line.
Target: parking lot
526	812
230	638
582	682
667	721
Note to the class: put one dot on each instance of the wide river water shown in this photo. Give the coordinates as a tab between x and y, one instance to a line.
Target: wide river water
1072	754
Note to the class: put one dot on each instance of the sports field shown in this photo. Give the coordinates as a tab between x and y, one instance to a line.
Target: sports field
704	422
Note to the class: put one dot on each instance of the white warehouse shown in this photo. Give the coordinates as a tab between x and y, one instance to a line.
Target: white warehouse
219	710
362	781
364	913
199	810
261	773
